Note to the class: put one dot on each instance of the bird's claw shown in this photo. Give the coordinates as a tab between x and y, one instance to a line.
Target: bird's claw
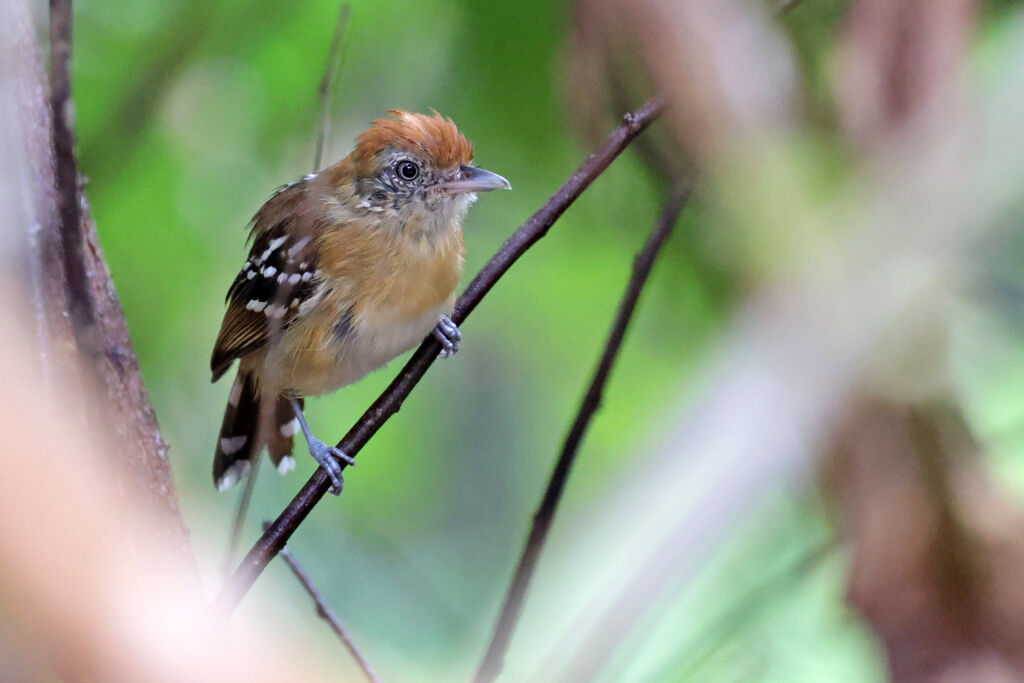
447	332
328	457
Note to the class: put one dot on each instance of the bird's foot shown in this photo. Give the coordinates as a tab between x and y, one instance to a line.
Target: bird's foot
448	334
328	457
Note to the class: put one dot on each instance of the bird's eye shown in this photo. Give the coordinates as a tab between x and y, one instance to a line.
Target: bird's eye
407	170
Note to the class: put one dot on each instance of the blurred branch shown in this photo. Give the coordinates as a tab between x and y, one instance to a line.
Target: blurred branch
84	577
493	660
324	611
329	83
388	403
785	6
106	360
169	51
941	590
744	610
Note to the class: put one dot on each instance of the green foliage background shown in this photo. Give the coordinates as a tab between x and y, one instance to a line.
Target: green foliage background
189	114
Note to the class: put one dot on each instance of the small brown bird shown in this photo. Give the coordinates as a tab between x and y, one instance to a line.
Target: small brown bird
349	268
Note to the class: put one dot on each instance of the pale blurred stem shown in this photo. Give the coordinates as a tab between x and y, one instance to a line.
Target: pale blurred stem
744	610
324	611
494	659
388	403
328	86
786	5
80	286
329	83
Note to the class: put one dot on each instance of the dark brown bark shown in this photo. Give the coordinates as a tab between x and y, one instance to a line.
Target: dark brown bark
77	287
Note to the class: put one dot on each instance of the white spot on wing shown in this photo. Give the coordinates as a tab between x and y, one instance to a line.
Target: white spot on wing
289	429
272	247
286	464
236	392
233	475
297	248
255	305
232	444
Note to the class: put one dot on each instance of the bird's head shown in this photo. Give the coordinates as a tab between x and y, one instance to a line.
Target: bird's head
414	164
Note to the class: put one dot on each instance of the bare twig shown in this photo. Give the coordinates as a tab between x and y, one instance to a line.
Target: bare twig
329	82
324	611
494	658
388	403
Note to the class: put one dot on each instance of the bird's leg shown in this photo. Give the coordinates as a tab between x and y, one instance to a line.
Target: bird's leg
448	334
324	454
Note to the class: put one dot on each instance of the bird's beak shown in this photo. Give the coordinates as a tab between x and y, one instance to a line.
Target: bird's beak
473	179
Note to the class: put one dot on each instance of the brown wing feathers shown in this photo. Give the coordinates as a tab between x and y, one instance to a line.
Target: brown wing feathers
265	298
279	274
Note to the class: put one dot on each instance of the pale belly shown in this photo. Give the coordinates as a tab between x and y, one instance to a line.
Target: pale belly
312	364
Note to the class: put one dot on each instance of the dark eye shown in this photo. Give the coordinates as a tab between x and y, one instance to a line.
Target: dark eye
407	170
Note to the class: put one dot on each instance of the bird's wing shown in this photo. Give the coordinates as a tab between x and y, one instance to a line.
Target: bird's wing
280	275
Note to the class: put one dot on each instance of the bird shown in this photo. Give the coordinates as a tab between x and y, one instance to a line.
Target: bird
348	268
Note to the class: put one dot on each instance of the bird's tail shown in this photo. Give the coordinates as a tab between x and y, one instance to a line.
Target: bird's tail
240	440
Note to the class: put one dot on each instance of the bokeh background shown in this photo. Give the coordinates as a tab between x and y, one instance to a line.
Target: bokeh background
189	114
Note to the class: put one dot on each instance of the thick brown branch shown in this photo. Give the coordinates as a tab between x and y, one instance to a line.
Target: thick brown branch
83	318
107	365
494	658
391	400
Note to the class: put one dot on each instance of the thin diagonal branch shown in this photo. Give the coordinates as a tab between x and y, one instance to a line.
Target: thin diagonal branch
328	85
388	403
324	611
494	659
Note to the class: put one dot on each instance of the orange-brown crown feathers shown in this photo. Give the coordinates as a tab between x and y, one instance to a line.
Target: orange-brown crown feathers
434	138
